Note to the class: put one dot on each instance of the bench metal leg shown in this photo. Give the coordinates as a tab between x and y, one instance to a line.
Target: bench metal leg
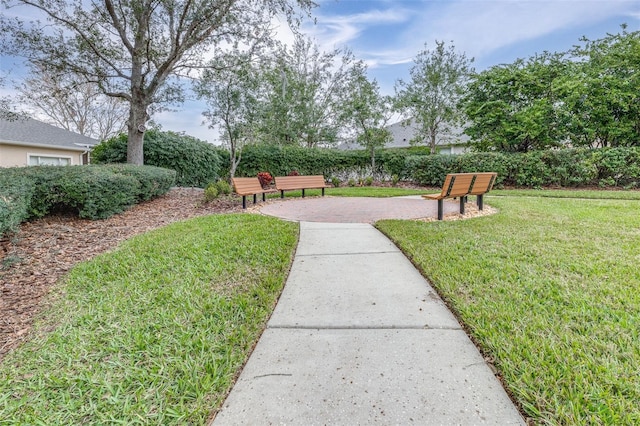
440	209
255	198
282	194
244	201
462	205
302	192
480	200
263	197
323	192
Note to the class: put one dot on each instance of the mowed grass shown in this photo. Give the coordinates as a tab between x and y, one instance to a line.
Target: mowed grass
155	331
549	288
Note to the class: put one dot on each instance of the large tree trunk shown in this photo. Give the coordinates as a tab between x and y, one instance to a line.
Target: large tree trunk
136	128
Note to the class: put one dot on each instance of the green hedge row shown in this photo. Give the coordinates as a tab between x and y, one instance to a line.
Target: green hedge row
280	160
604	167
196	163
91	192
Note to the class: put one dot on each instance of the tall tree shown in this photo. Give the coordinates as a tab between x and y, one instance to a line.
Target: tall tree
368	112
602	95
77	107
517	107
305	93
430	98
231	92
137	49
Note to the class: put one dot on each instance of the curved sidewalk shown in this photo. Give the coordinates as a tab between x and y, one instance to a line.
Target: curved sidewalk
360	337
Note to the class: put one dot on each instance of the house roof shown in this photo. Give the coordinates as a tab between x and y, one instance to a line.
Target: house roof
26	131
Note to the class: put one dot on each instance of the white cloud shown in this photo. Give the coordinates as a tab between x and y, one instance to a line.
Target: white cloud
481	27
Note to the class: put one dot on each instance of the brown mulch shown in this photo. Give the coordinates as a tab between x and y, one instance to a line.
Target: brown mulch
33	260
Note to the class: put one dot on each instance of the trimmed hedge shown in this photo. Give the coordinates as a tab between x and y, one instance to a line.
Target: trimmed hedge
604	167
281	160
91	192
196	162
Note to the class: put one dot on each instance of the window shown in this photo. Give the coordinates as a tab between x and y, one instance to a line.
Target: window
47	160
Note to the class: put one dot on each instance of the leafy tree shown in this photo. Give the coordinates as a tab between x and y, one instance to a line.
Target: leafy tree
136	49
602	93
430	98
74	106
231	93
304	92
517	107
369	113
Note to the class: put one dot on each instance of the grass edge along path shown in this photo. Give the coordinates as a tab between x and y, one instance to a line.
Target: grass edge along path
155	331
550	290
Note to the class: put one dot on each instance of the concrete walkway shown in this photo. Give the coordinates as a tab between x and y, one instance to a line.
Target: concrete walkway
359	337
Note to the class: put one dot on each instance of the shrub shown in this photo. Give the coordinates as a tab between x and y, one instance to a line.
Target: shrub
294	173
154	181
92	192
335	182
351	182
368	181
211	192
223	187
16	192
195	162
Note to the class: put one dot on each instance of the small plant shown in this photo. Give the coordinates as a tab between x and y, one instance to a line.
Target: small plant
223	187
351	182
368	181
335	182
211	192
294	173
265	179
394	180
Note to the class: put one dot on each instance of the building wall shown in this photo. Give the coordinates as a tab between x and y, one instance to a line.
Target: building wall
12	155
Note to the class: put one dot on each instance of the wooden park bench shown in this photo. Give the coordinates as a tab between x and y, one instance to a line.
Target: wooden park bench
290	183
249	186
460	185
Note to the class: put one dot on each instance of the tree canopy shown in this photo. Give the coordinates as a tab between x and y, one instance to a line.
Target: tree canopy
430	97
588	96
137	50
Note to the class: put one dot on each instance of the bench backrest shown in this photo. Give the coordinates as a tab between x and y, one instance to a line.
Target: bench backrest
247	185
483	183
457	185
299	182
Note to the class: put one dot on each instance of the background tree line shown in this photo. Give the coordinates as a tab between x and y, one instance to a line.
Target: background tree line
139	54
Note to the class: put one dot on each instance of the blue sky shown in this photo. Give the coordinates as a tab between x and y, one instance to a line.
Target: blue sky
388	34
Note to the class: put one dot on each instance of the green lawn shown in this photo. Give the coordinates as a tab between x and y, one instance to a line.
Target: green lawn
154	332
550	289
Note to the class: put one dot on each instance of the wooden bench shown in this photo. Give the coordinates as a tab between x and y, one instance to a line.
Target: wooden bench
290	183
460	185
482	184
249	186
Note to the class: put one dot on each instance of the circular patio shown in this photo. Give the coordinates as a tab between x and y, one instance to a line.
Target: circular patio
356	209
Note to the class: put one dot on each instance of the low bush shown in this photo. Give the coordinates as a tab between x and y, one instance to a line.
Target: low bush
211	192
91	192
154	181
16	192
